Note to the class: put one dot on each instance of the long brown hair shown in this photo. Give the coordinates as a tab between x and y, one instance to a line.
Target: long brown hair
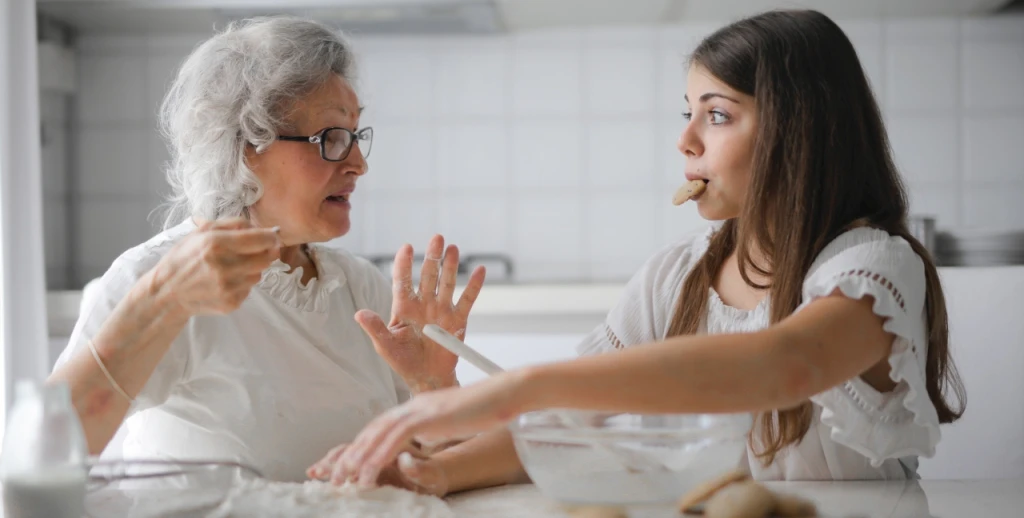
822	165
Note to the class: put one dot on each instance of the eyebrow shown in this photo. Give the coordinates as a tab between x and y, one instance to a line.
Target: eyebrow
341	109
710	95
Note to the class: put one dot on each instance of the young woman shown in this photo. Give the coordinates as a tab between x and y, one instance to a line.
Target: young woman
811	306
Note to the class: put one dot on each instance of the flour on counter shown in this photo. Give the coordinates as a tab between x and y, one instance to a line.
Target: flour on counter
318	499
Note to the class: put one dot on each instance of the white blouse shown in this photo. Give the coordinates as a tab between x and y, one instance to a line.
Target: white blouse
857	432
276	383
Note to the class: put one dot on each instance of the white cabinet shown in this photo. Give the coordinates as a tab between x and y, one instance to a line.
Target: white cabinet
986	335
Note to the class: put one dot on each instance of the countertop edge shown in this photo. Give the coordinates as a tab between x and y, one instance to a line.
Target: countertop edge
582	302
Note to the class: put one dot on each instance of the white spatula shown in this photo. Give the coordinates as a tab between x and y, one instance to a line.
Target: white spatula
460	349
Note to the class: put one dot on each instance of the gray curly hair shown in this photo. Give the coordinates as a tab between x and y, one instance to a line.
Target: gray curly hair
235	89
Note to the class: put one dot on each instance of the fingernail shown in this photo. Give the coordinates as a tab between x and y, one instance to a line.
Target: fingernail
405	460
275	229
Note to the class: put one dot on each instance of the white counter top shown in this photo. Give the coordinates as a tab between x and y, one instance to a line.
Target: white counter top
499	308
993	498
895	499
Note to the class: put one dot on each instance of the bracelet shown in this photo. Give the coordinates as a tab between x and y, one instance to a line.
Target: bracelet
96	356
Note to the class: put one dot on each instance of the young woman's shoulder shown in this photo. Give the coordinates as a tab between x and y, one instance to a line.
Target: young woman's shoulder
871	245
869	261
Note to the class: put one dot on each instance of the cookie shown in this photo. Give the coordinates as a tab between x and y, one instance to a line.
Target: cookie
792	506
688	190
746	499
704	490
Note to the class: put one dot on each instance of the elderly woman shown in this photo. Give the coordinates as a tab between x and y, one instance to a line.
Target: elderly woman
232	334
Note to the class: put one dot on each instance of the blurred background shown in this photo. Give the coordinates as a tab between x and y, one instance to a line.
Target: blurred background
539	135
543	130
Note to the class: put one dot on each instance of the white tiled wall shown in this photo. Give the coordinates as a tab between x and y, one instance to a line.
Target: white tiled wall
55	137
558	147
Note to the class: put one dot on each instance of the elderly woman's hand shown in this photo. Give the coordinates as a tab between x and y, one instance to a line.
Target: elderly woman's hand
423	364
212	270
412	470
438	415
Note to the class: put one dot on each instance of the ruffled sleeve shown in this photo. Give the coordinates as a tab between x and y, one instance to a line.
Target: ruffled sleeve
903	422
644	310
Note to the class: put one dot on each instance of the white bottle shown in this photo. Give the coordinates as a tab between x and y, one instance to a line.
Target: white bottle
42	466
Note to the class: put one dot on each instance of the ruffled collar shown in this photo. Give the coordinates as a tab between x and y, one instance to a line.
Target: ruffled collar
721	316
716	304
286	286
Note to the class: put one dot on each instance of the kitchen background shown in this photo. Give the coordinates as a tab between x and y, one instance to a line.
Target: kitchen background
555	146
544	131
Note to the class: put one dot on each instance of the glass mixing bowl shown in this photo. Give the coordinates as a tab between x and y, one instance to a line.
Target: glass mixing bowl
590	458
152	488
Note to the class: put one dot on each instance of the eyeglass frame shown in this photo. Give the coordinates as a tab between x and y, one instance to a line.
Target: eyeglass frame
318	138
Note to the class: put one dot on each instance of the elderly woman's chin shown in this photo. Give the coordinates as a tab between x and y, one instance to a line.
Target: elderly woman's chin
334	219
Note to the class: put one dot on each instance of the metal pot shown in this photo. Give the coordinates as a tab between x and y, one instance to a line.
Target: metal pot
923	229
980	247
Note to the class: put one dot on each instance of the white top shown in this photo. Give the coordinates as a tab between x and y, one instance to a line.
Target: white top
857	432
276	383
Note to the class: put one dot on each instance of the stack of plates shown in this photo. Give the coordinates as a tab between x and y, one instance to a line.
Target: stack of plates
979	247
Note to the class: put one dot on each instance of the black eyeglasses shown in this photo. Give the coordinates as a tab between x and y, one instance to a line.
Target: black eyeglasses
336	143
